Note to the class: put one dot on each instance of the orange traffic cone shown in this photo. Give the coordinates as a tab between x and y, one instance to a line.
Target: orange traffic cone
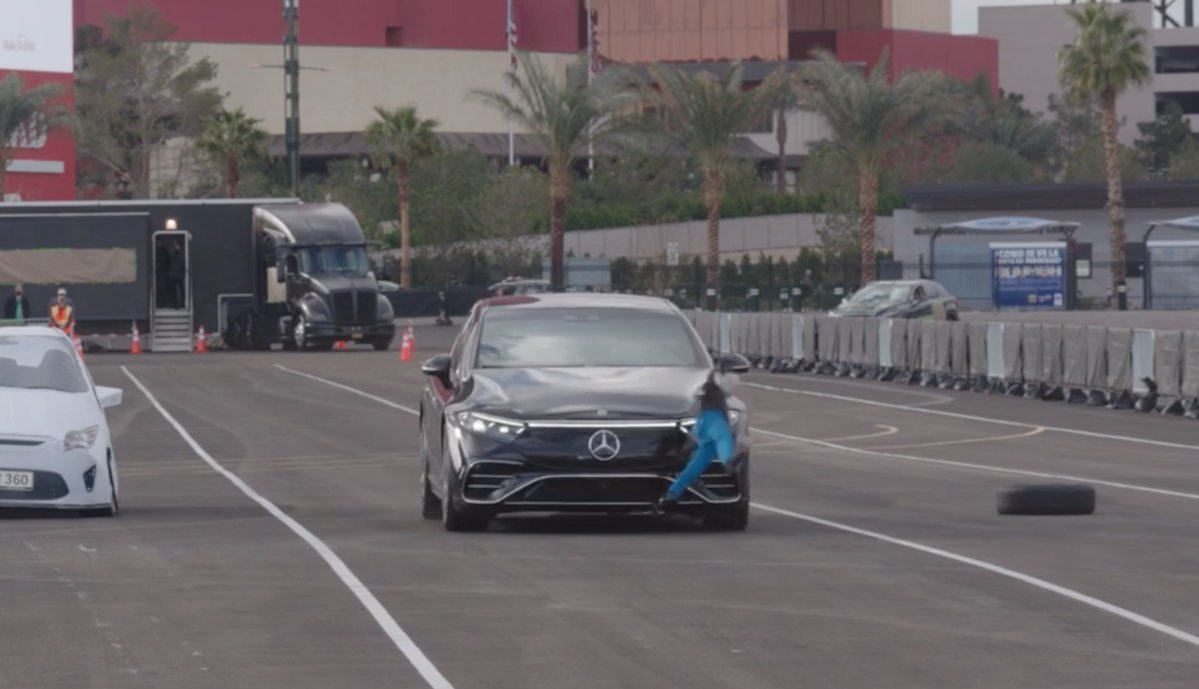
137	341
201	341
411	338
406	349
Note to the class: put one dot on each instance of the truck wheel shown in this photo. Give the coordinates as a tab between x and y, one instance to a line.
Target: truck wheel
299	333
382	346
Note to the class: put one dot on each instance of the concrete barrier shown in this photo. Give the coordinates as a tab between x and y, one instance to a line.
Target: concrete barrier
1167	371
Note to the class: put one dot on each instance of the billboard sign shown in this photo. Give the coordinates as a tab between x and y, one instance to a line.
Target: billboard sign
37	36
1028	275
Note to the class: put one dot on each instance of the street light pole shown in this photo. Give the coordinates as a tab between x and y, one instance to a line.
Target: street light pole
291	91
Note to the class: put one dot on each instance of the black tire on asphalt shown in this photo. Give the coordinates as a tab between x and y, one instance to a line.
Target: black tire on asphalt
430	504
1047	499
456	516
381	346
731	518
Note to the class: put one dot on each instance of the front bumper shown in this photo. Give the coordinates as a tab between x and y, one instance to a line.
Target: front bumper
60	481
509	486
334	332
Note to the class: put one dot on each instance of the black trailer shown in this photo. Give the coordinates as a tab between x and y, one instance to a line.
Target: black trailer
175	266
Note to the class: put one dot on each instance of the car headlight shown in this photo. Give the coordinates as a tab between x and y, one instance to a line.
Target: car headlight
495	427
82	439
734	417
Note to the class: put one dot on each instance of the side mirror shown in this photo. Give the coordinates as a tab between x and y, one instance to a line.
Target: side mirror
108	397
732	362
386	286
438	366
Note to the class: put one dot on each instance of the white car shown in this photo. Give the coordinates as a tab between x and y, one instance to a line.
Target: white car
55	448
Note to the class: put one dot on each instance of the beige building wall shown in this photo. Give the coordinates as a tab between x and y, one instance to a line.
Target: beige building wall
919	15
1029	39
1185	83
340	97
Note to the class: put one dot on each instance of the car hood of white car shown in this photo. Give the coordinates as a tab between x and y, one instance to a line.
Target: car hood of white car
48	413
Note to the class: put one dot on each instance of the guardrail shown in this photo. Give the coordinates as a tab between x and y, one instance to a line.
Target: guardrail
1119	368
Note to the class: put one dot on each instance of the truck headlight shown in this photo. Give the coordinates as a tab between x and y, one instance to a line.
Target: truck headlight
82	439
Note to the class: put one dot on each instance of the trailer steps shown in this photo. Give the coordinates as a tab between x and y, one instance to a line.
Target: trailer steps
171	331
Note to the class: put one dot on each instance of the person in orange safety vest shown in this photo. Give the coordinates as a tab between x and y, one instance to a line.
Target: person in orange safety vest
62	313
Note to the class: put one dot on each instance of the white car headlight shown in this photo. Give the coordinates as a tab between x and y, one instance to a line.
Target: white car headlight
486	424
82	439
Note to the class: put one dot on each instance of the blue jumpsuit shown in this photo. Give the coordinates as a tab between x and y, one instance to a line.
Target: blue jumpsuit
714	440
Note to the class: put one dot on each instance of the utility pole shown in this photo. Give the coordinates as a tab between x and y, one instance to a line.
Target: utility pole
291	90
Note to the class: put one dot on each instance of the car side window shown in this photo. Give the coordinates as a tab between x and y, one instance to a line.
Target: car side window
918	293
461	343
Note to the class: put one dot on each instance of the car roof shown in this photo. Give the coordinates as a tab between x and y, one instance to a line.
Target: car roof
581	300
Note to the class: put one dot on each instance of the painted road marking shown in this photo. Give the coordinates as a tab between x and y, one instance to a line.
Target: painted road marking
891	430
965	441
969	417
386	622
980	564
996	569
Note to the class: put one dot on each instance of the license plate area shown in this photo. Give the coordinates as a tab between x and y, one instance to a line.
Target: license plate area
16	480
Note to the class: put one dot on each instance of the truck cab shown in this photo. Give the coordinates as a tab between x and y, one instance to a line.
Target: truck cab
316	286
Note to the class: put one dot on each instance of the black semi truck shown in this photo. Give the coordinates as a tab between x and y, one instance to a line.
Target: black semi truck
257	271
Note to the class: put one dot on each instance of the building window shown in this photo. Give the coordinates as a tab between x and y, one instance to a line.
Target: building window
1177	59
1188	101
393	37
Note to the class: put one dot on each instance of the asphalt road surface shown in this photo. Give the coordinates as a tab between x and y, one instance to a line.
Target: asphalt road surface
271	538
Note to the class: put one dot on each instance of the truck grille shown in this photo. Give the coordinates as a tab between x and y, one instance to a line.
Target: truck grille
354	307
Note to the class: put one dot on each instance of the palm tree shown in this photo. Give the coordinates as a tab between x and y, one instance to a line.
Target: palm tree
1106	58
704	114
23	110
403	135
786	101
232	138
560	115
869	119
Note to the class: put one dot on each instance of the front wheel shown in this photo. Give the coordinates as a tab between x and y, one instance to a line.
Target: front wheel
299	333
430	504
456	516
381	346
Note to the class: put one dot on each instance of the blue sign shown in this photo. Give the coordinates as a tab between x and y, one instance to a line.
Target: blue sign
1029	275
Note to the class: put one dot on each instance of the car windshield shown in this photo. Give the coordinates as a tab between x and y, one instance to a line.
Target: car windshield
333	259
880	293
39	362
543	338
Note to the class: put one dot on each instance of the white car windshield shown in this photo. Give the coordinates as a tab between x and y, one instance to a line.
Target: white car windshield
39	362
539	338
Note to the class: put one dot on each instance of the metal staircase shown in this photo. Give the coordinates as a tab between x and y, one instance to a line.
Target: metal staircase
171	331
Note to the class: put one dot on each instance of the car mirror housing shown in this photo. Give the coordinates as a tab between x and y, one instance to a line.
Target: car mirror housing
731	362
438	366
108	397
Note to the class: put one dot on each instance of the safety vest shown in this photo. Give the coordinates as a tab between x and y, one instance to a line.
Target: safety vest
61	315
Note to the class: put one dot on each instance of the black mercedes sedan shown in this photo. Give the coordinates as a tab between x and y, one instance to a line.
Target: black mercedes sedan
573	403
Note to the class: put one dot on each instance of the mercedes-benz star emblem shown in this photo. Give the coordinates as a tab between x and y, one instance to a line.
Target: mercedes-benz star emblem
604	445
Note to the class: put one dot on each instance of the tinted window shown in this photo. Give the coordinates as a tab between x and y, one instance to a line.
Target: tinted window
519	338
39	362
333	259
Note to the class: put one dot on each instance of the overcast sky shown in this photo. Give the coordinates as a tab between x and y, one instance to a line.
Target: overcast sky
965	12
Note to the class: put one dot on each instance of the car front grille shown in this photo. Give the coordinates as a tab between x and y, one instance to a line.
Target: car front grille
591	490
566	449
354	307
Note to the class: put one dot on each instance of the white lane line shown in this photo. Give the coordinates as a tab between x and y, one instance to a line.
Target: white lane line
386	622
891	430
995	569
977	467
1003	571
349	389
969	417
965	441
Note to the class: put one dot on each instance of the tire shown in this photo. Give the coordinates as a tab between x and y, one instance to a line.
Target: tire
430	504
455	516
1048	499
381	346
114	508
731	518
299	333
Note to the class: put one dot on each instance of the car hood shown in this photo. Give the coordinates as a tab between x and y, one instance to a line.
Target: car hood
331	282
878	310
47	413
581	393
